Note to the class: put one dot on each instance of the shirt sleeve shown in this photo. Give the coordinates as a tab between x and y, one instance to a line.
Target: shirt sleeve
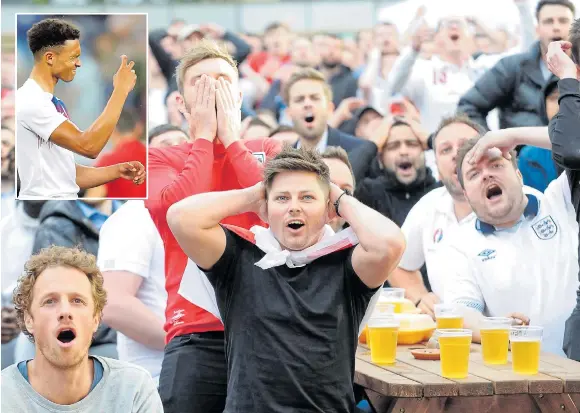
223	270
42	118
460	284
133	254
559	193
414	257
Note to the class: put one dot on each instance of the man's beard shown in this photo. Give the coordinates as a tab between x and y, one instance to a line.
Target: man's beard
454	190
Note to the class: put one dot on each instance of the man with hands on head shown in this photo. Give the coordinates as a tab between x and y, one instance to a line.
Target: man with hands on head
291	322
562	136
47	138
521	253
215	160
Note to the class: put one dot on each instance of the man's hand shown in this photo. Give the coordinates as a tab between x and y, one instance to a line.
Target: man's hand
559	61
381	133
125	77
229	115
345	110
421	35
10	327
419	132
519	319
133	171
502	140
257	196
202	119
427	304
213	30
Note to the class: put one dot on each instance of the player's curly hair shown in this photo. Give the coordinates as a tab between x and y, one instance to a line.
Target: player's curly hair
56	257
50	33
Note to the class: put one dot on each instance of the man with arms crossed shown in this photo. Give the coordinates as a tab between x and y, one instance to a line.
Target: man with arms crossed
47	139
435	216
193	374
291	330
58	302
520	255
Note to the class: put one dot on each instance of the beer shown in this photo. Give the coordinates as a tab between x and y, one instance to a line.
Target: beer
383	340
454	345
495	339
449	322
448	316
394	296
526	343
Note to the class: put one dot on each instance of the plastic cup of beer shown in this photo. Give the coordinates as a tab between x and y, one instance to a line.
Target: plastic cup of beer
383	332
395	296
381	309
454	345
448	316
526	342
495	332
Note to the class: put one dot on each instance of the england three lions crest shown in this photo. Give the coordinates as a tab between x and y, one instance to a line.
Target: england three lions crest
545	228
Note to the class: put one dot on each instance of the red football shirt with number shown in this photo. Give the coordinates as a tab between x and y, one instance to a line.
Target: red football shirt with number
180	171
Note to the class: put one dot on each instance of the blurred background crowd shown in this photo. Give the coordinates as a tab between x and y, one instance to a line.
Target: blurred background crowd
420	62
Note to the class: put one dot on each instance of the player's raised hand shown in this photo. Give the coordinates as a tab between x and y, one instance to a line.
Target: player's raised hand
201	113
125	77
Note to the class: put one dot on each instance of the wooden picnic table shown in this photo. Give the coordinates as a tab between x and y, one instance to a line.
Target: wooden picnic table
416	386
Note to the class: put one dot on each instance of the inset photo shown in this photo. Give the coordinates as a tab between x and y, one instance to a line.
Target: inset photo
81	106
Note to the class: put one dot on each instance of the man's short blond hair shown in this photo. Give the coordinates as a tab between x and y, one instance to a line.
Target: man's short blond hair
205	49
306	74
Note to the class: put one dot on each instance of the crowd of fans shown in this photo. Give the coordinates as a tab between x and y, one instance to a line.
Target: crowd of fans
389	112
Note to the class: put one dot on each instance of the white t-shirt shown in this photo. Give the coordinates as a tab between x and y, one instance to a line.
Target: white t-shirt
435	86
531	268
46	170
431	220
129	241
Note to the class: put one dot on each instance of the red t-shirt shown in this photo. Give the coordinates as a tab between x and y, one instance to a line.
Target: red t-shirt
177	172
132	150
257	60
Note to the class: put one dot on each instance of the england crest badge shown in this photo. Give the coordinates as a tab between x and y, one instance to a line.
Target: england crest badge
545	228
260	156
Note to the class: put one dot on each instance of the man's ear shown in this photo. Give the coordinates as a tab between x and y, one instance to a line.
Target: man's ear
520	176
331	107
330	211
28	322
181	104
49	58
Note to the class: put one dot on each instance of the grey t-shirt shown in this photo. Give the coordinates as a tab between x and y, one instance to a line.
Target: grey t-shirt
124	388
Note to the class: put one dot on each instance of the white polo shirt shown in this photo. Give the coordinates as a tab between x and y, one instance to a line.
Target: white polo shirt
531	268
46	170
430	221
129	241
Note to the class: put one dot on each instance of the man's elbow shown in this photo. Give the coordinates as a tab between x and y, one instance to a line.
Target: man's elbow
391	248
174	216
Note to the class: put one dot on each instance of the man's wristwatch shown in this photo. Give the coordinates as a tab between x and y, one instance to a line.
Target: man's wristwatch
336	203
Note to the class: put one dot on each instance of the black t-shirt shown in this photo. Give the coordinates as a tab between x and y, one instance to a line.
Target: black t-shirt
291	333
